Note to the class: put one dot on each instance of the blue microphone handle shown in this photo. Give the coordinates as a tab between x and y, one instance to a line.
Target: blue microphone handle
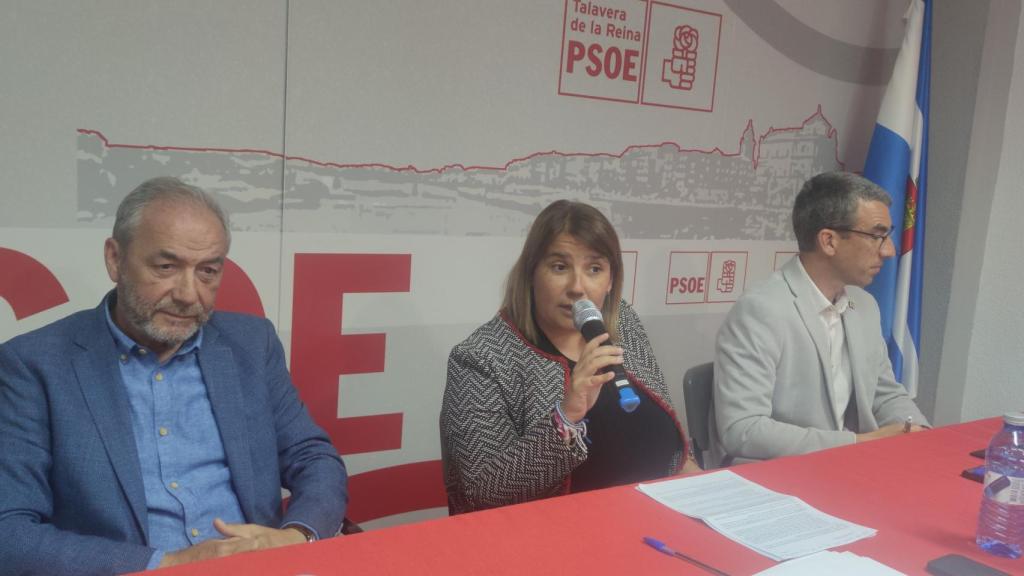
628	400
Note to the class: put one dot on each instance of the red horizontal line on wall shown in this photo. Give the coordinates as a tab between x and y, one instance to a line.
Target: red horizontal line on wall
410	168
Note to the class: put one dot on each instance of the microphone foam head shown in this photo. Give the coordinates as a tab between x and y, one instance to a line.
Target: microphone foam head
584	311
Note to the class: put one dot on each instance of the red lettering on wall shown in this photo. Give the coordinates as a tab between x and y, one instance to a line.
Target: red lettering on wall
237	293
613	64
320	352
576	50
686	284
396	490
27	285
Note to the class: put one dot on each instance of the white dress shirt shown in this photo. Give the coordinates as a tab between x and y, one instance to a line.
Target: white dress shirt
831	314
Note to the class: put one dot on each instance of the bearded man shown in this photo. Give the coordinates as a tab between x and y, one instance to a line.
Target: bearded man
151	431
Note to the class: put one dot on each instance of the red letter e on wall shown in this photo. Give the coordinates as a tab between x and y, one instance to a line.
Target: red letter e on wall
320	352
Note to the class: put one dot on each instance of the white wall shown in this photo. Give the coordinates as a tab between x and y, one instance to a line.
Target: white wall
981	353
305	118
427	85
996	355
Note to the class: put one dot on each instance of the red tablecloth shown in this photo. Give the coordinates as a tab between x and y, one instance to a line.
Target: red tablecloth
908	488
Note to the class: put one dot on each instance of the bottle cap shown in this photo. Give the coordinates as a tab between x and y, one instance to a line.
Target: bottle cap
1014	418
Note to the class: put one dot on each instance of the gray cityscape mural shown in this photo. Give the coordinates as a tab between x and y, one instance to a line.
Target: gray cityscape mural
648	192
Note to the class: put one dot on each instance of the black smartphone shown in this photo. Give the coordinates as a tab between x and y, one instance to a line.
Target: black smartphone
976	473
957	565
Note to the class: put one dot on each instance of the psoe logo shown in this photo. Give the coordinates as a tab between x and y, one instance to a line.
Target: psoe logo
679	70
687	278
685	41
728	276
727	281
705	277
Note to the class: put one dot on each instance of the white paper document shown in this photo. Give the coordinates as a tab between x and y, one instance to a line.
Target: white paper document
776	525
833	564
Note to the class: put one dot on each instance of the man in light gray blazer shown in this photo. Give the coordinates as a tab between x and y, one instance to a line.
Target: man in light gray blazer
800	362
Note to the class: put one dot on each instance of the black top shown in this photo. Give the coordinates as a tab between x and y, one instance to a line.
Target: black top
623	447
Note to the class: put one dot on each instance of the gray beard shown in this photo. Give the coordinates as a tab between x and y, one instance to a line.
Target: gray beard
139	315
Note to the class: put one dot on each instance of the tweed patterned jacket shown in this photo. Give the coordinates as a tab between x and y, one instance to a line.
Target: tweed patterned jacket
498	443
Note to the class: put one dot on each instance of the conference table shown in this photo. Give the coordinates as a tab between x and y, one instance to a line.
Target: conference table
907	487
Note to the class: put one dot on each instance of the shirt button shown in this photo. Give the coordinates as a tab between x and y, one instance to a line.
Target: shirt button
163	431
195	532
159	376
124	358
142	351
174	485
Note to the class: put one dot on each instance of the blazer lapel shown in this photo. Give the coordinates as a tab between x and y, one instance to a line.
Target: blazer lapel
853	326
217	363
803	299
99	378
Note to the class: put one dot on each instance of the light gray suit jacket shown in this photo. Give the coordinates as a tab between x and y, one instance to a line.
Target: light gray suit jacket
772	393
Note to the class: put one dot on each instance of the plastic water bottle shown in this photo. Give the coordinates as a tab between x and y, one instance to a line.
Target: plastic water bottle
1001	521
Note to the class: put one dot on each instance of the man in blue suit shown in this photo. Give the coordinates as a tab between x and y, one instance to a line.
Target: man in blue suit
150	431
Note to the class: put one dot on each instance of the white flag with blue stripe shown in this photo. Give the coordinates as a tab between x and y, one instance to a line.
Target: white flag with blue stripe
898	161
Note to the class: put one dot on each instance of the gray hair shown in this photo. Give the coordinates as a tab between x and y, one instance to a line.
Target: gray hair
830	200
129	212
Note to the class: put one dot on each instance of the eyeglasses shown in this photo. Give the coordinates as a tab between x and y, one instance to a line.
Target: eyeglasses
880	238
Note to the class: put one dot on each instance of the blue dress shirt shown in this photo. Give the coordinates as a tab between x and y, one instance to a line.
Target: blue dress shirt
184	469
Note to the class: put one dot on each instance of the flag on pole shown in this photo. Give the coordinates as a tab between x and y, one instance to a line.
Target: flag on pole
898	162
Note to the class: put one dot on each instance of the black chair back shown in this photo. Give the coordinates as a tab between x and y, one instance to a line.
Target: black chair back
697	397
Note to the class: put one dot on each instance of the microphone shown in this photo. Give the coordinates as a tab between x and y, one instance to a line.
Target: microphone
588	320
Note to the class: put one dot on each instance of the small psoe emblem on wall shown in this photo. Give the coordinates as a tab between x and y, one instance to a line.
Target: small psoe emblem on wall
680	70
727	281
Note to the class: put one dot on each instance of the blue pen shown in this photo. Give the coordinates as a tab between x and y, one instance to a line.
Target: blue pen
664	549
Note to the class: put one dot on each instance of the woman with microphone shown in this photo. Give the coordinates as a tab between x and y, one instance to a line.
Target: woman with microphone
530	409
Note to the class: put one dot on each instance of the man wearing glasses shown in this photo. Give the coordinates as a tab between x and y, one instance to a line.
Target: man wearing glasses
800	362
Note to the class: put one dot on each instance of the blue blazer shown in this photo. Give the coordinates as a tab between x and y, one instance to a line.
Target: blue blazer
71	493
